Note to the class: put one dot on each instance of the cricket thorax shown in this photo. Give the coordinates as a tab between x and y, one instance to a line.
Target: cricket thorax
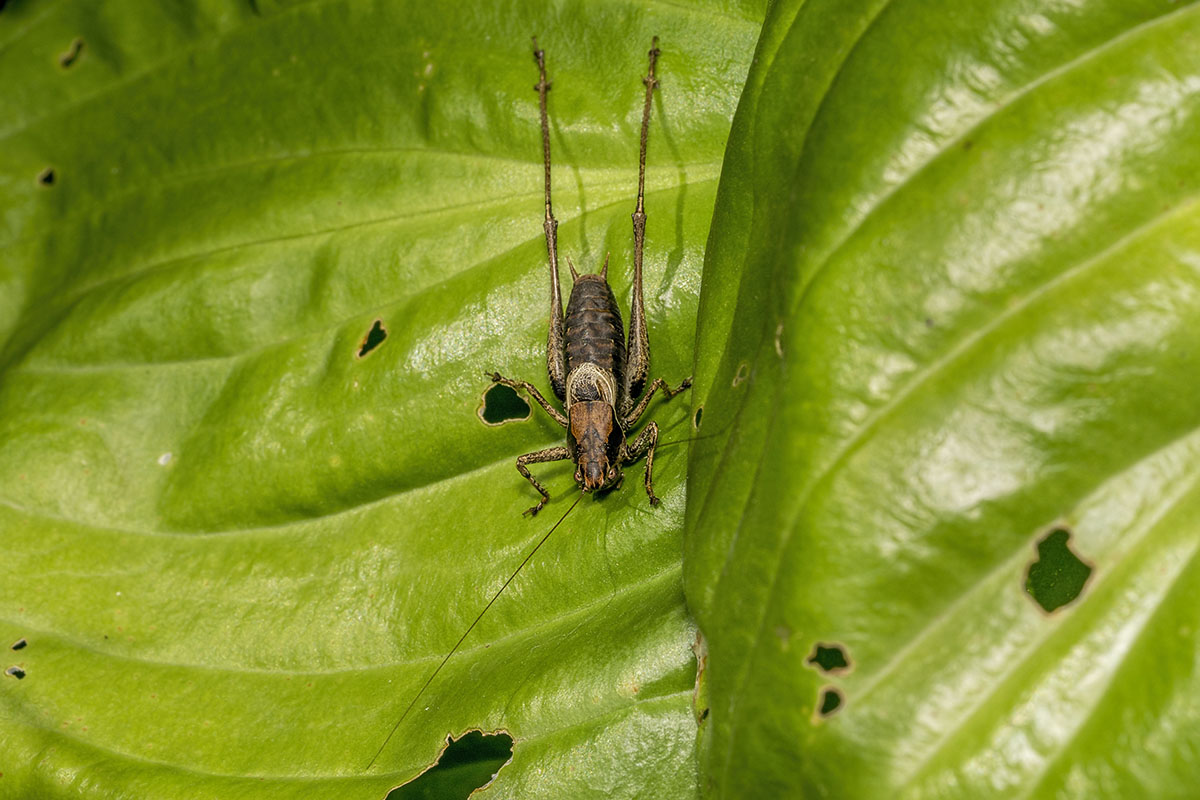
589	382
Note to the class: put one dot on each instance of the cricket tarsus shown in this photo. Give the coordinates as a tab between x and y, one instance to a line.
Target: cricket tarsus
596	371
467	632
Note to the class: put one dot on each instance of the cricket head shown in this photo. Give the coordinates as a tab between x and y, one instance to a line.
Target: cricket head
595	440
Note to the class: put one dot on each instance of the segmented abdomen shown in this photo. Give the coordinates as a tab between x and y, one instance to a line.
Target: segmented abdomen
594	332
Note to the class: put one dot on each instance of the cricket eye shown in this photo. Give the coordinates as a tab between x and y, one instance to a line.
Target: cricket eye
612	473
579	476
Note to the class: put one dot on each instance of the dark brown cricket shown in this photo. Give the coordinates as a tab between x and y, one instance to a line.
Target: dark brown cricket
596	373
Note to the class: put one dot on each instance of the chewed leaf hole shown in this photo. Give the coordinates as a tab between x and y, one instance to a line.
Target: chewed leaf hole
46	177
831	701
19	644
743	372
373	339
468	763
829	658
15	672
502	404
696	418
72	55
1058	575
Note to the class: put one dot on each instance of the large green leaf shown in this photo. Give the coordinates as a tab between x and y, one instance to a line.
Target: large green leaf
235	549
951	302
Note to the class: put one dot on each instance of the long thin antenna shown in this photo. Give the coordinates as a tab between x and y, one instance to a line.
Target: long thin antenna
462	638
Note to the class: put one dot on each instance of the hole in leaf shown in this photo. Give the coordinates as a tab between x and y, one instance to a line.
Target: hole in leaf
16	672
46	177
468	763
696	419
831	701
72	55
19	644
1058	575
829	658
373	339
502	404
743	372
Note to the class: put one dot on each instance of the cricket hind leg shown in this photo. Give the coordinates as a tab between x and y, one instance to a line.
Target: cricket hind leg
556	349
637	349
539	457
646	441
632	417
554	413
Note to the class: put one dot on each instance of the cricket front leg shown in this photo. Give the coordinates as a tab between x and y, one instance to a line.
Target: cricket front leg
554	413
646	441
632	417
549	454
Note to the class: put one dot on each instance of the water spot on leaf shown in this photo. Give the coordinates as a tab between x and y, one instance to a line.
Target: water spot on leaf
831	701
19	644
830	658
502	404
696	418
46	177
373	339
67	59
15	672
1058	575
467	763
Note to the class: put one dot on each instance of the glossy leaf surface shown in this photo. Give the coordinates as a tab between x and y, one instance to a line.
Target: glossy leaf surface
951	302
235	547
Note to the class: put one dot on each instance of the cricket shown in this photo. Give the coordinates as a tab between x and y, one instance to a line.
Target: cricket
596	373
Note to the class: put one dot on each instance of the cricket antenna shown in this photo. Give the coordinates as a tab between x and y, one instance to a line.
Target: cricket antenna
462	638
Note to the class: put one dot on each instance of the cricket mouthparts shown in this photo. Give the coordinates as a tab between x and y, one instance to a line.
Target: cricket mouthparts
593	476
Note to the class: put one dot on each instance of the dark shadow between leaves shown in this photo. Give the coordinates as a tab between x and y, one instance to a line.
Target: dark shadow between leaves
468	763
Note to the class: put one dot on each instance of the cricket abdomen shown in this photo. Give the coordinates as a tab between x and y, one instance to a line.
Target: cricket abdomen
594	332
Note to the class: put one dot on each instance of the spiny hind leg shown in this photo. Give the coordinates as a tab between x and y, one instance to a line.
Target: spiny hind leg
632	417
533	392
556	349
541	456
646	441
637	364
